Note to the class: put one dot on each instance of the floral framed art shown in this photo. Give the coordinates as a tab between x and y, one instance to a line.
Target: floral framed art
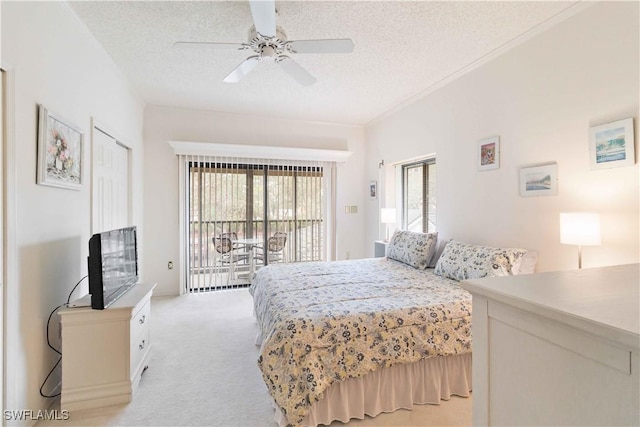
539	180
611	145
60	152
489	153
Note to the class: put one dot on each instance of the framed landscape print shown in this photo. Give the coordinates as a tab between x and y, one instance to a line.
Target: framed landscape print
373	189
611	145
489	153
539	180
60	152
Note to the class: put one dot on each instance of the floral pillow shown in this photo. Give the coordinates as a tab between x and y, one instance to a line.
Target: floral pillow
460	261
415	249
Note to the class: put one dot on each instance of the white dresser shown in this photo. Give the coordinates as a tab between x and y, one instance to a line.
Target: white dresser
558	348
104	352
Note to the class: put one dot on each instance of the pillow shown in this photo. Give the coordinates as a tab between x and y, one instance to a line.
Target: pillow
460	261
438	253
415	249
526	264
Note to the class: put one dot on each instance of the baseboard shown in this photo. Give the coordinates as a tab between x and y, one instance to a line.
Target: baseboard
82	398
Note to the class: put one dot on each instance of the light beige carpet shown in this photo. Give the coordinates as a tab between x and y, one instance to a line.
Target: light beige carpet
203	372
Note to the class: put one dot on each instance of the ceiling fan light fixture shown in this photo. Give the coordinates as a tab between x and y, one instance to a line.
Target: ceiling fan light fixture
268	52
269	42
257	41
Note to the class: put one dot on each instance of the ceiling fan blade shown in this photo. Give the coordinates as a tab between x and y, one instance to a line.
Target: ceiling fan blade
215	45
264	16
322	46
301	75
242	70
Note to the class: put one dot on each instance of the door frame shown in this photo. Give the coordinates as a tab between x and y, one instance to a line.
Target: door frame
2	232
8	184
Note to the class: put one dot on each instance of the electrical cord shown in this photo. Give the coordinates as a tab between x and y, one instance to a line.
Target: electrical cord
42	393
74	288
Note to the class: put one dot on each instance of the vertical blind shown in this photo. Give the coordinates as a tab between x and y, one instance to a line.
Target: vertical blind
254	203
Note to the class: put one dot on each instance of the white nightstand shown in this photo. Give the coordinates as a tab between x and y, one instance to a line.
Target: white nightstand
380	248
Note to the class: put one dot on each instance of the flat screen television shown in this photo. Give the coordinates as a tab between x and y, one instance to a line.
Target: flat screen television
112	264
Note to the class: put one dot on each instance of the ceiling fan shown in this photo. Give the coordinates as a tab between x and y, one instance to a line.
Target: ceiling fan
269	43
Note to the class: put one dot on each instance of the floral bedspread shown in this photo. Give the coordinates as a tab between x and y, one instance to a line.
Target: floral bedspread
323	322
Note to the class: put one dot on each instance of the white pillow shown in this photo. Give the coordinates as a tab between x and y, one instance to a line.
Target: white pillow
461	261
415	249
526	264
438	253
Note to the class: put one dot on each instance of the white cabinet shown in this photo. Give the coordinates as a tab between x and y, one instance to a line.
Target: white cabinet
558	348
104	352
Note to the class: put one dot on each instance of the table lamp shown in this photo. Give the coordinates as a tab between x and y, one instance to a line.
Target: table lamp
387	216
581	229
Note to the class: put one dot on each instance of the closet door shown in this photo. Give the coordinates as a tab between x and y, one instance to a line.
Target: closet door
110	183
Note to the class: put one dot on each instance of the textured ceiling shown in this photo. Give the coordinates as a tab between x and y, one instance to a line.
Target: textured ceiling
401	49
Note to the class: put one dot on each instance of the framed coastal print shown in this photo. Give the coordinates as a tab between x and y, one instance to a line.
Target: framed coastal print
373	189
60	152
489	153
611	145
539	180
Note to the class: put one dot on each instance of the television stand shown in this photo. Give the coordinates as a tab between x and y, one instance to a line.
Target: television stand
84	301
105	352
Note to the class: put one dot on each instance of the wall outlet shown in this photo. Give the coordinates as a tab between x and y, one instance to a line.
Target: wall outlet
170	265
348	255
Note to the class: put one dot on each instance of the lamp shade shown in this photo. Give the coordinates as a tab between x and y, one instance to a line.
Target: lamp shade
388	215
580	228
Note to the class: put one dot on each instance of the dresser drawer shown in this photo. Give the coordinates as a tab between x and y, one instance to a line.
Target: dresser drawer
140	346
140	336
141	319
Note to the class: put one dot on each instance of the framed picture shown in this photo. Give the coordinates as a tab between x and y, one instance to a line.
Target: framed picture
373	189
611	145
539	180
60	151
489	153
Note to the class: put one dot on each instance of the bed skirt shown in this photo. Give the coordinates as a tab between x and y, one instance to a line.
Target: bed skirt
389	389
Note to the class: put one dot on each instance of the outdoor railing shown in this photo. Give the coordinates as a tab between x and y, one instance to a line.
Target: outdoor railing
304	239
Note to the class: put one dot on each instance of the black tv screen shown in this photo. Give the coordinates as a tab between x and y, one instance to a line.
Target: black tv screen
112	264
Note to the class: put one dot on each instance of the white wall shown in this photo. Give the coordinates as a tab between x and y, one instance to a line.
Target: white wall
540	98
162	124
56	62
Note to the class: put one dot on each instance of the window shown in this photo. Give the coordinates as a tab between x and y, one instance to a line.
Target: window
419	196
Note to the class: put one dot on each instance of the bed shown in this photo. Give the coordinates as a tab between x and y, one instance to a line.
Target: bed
342	339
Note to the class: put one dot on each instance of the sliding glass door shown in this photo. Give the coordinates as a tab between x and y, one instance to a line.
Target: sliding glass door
245	216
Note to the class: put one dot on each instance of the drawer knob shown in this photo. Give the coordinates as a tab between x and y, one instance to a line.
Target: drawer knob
142	319
141	346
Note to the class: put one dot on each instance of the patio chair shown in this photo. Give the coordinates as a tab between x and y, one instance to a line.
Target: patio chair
275	248
234	239
226	254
